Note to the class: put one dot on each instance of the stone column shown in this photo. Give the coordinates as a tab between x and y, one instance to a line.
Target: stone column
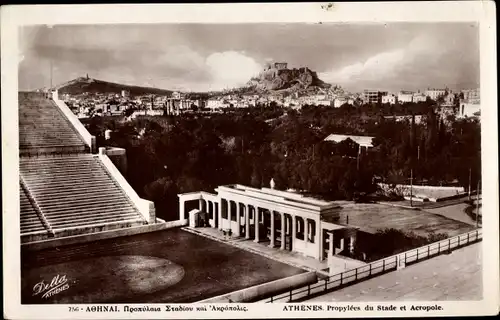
342	242
318	234
247	221
181	209
351	244
320	243
256	215
238	219
306	230
220	214
330	239
201	207
272	229
283	231
216	214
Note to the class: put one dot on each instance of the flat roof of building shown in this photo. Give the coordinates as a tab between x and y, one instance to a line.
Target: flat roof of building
373	217
430	280
289	197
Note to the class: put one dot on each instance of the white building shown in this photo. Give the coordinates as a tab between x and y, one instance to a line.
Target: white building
434	94
390	98
419	97
337	103
405	96
214	103
472	96
282	220
176	95
469	110
317	100
340	101
363	141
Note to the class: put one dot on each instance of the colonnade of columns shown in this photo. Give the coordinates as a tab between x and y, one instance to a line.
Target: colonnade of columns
260	224
286	230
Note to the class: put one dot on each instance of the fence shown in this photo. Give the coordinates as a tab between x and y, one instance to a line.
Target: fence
375	268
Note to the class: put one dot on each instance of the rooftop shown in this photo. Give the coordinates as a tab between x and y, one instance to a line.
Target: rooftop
285	197
364	141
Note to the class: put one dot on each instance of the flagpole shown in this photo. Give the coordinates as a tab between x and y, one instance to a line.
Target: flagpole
51	74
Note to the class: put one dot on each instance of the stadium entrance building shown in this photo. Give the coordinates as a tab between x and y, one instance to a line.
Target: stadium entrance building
280	219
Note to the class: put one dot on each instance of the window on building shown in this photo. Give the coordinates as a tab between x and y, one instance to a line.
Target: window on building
300	228
312	227
233	210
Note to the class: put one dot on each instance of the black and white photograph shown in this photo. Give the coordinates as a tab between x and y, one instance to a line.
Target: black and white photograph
200	168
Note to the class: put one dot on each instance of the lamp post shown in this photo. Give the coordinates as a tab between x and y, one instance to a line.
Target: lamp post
477	204
411	187
470	173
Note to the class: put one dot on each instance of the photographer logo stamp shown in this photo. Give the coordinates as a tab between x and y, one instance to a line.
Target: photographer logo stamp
57	285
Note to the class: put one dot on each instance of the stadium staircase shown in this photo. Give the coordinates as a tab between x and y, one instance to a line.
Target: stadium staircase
64	189
31	220
44	129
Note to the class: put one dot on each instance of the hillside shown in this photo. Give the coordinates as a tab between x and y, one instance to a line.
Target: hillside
287	80
82	84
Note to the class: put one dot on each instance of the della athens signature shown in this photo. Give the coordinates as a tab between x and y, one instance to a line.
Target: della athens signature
57	285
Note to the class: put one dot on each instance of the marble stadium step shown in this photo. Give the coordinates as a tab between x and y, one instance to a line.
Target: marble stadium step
76	191
30	222
44	129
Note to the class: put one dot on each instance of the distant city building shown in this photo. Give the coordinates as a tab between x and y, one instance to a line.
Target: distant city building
434	94
405	96
316	100
419	97
471	96
176	95
125	94
177	105
390	98
340	101
469	110
280	65
470	105
214	104
373	96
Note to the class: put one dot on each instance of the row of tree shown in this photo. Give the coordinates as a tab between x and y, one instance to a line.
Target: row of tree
171	155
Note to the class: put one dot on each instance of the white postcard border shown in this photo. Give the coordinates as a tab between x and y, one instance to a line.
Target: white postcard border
474	11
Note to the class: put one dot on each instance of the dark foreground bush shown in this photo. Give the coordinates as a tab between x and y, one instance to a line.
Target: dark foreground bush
388	242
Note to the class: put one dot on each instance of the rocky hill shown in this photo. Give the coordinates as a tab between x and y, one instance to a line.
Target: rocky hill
85	84
287	80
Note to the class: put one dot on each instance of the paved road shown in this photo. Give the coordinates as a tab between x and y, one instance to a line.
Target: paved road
453	277
432	205
455	212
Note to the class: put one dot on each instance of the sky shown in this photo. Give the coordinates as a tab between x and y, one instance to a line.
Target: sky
202	57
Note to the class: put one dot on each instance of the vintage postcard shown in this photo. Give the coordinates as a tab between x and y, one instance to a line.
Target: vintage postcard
283	160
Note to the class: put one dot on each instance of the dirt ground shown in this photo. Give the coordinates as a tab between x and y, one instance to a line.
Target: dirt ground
166	266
